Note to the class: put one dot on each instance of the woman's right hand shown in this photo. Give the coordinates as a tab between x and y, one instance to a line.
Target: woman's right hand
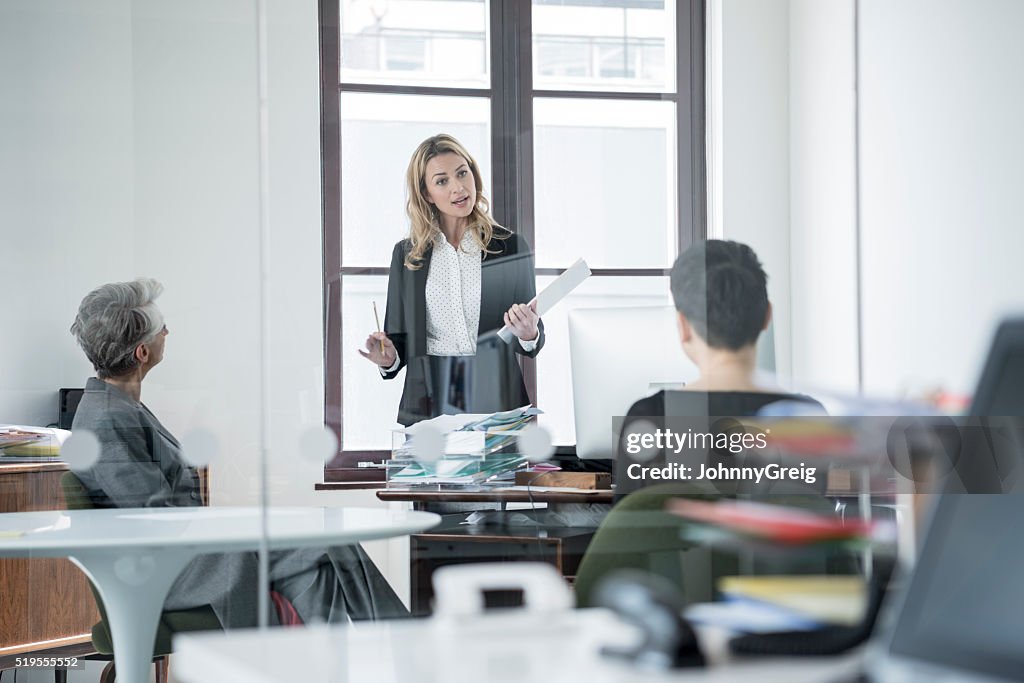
374	344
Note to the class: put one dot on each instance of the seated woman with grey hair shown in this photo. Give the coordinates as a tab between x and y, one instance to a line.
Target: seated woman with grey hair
140	464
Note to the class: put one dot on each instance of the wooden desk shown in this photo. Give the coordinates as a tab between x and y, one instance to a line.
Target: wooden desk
44	603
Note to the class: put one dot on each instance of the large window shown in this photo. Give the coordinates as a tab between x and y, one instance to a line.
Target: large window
586	117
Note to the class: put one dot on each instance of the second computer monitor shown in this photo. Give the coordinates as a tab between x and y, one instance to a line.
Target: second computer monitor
620	355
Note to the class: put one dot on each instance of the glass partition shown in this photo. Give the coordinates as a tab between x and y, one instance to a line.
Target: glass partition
229	305
136	223
162	410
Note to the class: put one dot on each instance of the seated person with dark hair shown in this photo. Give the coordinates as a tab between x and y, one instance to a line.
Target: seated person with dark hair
720	293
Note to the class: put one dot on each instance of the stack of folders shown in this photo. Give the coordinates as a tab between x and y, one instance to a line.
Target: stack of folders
478	449
764	604
755	604
775	524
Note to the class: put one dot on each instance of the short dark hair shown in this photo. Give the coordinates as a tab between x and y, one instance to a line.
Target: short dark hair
722	290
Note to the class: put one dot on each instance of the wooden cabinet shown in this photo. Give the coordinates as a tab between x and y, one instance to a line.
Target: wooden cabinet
44	603
455	543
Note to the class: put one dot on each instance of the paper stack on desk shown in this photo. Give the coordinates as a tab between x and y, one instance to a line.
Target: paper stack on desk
476	449
471	433
37	444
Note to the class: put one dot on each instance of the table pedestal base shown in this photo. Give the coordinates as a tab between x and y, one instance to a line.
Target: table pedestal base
134	585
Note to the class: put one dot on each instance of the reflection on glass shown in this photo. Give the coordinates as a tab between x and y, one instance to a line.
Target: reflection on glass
554	368
378	135
605	183
370	404
422	42
456	280
318	444
120	328
619	45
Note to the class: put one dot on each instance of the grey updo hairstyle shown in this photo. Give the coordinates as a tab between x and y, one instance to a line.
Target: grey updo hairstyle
113	320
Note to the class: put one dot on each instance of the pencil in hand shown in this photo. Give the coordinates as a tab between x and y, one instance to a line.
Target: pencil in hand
377	318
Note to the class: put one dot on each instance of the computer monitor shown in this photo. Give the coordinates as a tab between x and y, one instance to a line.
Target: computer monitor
620	355
68	405
990	456
1001	386
960	615
485	382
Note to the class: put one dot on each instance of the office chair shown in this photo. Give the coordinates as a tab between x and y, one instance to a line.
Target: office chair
638	534
171	621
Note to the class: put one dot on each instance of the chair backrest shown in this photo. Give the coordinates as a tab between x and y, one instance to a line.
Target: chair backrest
75	495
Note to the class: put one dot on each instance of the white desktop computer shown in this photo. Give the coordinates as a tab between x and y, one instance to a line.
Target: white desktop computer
620	355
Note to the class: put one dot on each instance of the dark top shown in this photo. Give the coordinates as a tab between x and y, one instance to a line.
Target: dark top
713	403
705	407
487	382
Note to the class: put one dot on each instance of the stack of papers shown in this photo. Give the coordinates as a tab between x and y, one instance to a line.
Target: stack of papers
764	604
829	599
35	443
471	433
748	617
475	449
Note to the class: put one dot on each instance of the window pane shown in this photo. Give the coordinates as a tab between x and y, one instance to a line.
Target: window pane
378	135
421	42
370	403
605	183
554	370
620	45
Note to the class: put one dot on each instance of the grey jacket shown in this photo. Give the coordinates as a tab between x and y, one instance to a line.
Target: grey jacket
140	465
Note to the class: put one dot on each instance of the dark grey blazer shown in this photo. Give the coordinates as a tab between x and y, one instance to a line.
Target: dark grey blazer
507	277
140	465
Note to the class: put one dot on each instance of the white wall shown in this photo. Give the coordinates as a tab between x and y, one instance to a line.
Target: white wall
66	187
941	175
197	212
940	147
754	57
822	196
136	153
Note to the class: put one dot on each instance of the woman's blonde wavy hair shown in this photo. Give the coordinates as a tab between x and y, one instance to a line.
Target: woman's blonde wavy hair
424	222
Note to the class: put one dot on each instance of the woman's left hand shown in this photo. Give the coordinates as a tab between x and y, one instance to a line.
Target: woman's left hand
522	320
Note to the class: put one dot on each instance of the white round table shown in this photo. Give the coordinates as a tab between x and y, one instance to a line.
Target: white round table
133	555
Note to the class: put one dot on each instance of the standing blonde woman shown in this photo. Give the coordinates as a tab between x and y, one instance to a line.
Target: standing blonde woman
456	277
